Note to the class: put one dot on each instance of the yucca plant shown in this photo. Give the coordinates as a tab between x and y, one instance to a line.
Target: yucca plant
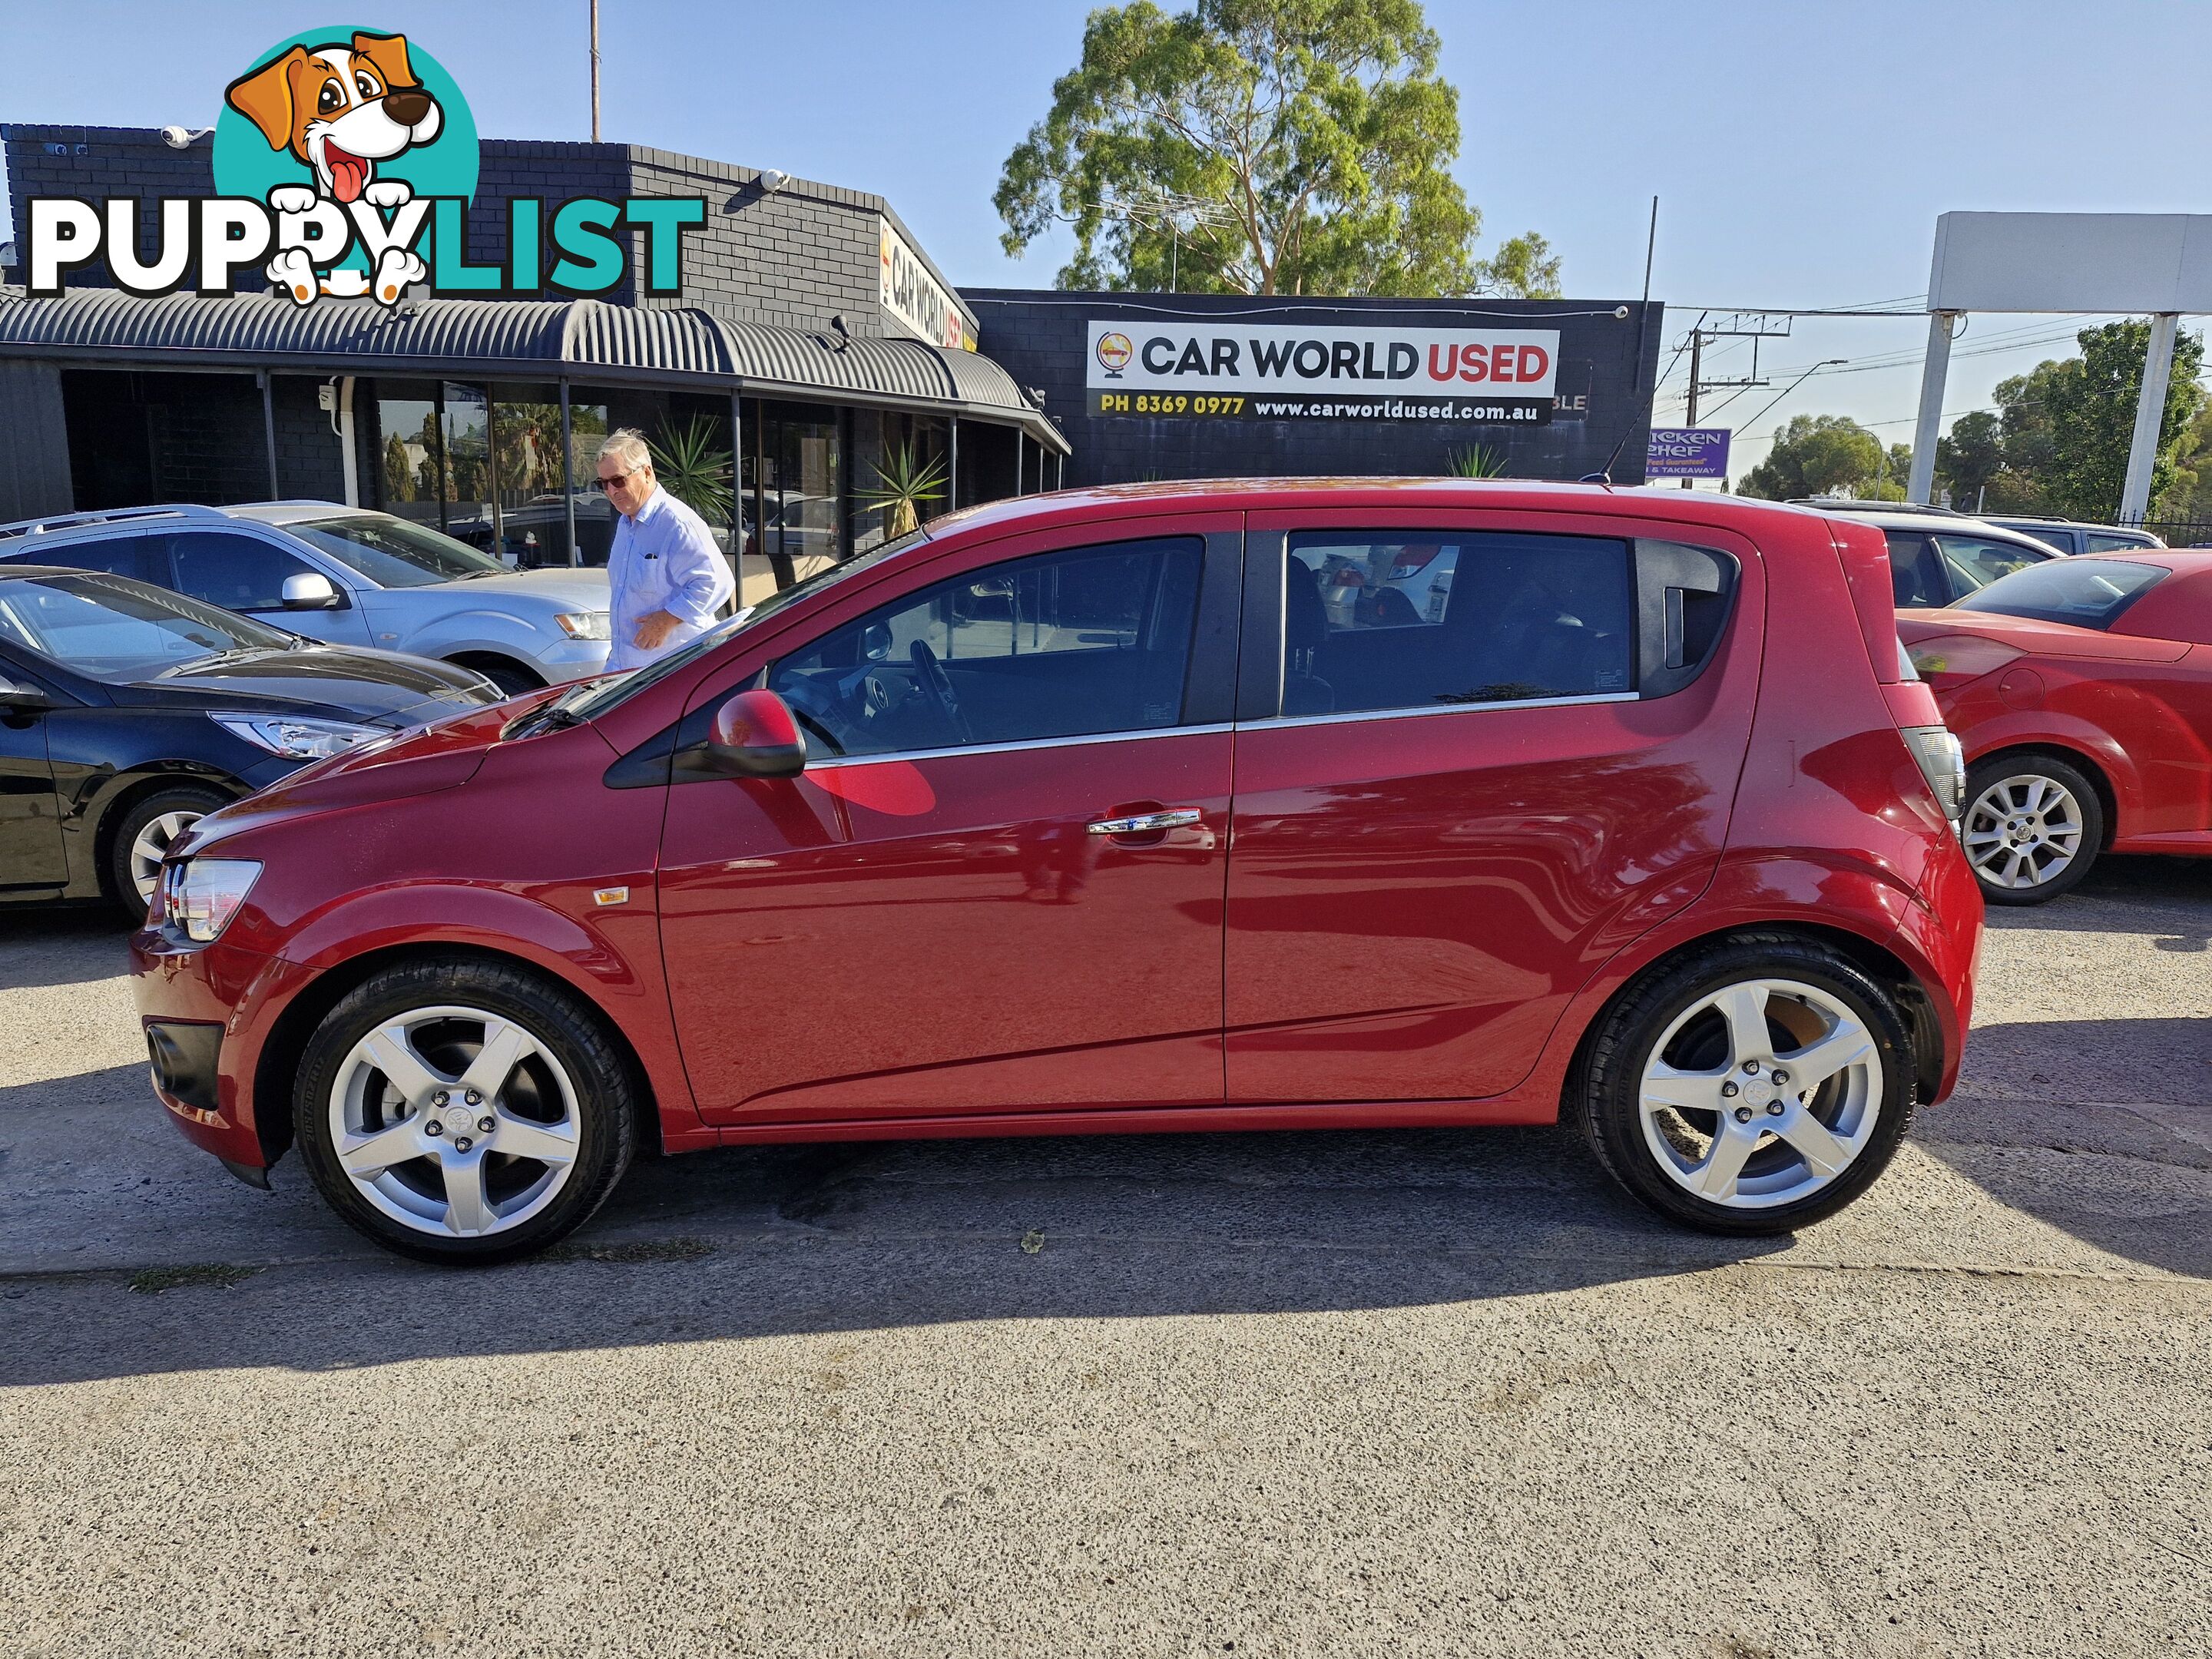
904	483
1477	461
691	468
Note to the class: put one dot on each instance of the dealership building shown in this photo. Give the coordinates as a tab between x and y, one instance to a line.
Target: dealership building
808	334
809	323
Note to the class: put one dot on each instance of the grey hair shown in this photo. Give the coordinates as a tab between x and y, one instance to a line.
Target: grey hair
628	447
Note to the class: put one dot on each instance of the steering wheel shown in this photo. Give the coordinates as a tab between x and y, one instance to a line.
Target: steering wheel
931	672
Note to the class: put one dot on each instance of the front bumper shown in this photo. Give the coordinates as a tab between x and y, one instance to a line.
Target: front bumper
211	1006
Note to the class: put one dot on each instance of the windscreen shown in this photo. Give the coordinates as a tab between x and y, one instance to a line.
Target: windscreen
113	628
2086	593
393	553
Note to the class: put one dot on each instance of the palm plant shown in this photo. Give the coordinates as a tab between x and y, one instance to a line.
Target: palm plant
905	482
1477	461
691	468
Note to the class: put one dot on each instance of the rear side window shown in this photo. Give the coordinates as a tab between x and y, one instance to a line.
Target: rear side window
2060	540
1916	571
1077	643
142	558
1412	619
2111	543
1977	562
239	573
2089	593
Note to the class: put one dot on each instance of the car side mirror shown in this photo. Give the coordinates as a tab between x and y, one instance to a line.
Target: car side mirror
18	698
876	642
311	591
754	735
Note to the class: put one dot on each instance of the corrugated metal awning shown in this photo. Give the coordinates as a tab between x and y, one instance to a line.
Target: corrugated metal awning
532	339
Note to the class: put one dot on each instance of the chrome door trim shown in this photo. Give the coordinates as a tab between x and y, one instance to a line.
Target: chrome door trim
1014	748
1279	721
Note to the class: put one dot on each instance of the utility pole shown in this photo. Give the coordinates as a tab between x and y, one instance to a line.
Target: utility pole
1697	352
595	71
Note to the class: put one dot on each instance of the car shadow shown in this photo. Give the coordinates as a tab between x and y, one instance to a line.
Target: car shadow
2166	899
61	945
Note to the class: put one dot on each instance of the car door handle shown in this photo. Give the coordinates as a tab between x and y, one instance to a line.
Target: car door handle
1145	824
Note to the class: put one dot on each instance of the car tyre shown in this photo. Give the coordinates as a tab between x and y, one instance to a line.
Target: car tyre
1689	1032
512	681
146	830
2026	815
464	1113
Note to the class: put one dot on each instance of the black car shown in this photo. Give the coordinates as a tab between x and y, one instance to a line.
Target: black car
128	712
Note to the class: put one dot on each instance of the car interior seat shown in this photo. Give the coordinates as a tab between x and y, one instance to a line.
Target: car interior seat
1305	640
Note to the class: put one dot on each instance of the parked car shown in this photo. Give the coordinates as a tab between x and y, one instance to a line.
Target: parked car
128	712
1935	557
2069	536
2082	692
347	576
1651	826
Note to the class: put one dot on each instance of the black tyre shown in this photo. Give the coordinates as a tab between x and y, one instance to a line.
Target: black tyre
2033	825
512	679
148	827
464	1113
1752	1087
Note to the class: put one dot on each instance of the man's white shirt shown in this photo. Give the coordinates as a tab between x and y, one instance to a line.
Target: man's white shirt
664	559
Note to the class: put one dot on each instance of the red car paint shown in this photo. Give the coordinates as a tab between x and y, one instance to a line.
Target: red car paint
1370	920
2130	704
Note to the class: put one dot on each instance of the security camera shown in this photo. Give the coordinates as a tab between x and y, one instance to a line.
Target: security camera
7	255
182	137
1620	313
771	181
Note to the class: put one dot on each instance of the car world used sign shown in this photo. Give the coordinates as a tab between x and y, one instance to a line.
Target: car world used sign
1215	369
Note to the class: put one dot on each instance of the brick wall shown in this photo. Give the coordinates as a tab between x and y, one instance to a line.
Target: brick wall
1042	339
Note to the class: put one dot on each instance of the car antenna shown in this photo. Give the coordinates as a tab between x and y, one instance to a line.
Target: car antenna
1604	474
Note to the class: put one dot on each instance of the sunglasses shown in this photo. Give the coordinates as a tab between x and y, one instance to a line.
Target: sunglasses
617	481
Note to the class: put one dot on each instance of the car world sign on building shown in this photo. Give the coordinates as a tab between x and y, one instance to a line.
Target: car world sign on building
1214	370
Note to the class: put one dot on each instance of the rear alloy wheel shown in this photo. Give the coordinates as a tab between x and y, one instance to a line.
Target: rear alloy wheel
144	836
2033	826
1754	1088
463	1113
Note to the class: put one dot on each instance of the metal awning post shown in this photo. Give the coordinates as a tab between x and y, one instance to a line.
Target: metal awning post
952	471
737	493
269	426
567	478
1021	464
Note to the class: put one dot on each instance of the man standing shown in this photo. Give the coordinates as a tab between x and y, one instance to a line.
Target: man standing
667	578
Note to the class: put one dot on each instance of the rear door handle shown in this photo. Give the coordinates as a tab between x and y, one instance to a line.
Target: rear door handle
1145	824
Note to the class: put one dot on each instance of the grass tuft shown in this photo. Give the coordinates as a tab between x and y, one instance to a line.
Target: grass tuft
152	1281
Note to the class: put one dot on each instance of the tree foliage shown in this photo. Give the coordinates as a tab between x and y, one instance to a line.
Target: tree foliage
1817	455
1263	145
1523	267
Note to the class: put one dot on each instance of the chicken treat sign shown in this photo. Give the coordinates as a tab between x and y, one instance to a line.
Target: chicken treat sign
1214	369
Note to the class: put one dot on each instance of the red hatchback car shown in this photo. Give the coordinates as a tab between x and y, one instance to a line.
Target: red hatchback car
2082	690
1082	813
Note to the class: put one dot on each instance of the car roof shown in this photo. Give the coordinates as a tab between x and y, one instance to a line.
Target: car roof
280	512
2182	561
1955	523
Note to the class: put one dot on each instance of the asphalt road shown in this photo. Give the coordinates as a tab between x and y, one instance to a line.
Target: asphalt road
1387	1393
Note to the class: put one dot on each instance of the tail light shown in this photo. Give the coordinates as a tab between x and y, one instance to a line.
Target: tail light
1920	723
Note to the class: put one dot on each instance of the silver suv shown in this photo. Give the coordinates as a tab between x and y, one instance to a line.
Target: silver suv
1936	557
347	576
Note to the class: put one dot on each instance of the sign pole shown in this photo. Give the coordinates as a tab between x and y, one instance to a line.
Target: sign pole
2150	416
1927	429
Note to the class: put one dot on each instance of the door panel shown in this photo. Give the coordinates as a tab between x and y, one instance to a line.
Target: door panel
942	934
31	854
1413	898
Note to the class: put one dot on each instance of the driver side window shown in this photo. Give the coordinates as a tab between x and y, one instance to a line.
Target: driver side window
1075	643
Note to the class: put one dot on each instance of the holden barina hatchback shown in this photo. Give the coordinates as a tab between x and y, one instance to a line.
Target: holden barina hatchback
1087	812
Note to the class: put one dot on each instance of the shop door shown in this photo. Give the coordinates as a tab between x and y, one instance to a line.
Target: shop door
971	903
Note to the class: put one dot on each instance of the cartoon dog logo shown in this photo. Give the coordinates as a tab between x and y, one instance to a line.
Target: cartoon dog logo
341	108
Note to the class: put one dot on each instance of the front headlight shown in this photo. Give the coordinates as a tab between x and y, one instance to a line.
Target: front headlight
201	896
585	625
297	739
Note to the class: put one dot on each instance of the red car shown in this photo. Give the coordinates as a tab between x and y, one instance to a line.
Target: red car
1079	814
2081	691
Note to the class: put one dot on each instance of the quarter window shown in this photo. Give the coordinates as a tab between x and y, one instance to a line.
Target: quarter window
1077	643
1415	619
239	573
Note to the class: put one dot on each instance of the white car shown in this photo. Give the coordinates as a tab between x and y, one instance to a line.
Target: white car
347	576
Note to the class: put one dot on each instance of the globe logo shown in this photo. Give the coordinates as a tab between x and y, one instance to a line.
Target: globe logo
1114	354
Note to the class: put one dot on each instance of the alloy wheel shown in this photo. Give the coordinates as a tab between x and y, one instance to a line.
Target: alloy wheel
2023	831
454	1121
152	846
1760	1094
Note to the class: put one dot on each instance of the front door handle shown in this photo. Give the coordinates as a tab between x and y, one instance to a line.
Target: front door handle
1146	823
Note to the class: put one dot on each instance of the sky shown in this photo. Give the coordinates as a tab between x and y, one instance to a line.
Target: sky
1801	149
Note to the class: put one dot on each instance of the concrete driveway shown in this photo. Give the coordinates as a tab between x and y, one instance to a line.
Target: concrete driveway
1387	1393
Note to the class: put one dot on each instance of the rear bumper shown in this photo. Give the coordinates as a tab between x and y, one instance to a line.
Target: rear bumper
206	1011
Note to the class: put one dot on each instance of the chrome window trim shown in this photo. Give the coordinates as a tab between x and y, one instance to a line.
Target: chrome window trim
1445	708
1013	748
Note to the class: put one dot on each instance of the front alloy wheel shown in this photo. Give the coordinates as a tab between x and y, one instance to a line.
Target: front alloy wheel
1753	1086
463	1112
